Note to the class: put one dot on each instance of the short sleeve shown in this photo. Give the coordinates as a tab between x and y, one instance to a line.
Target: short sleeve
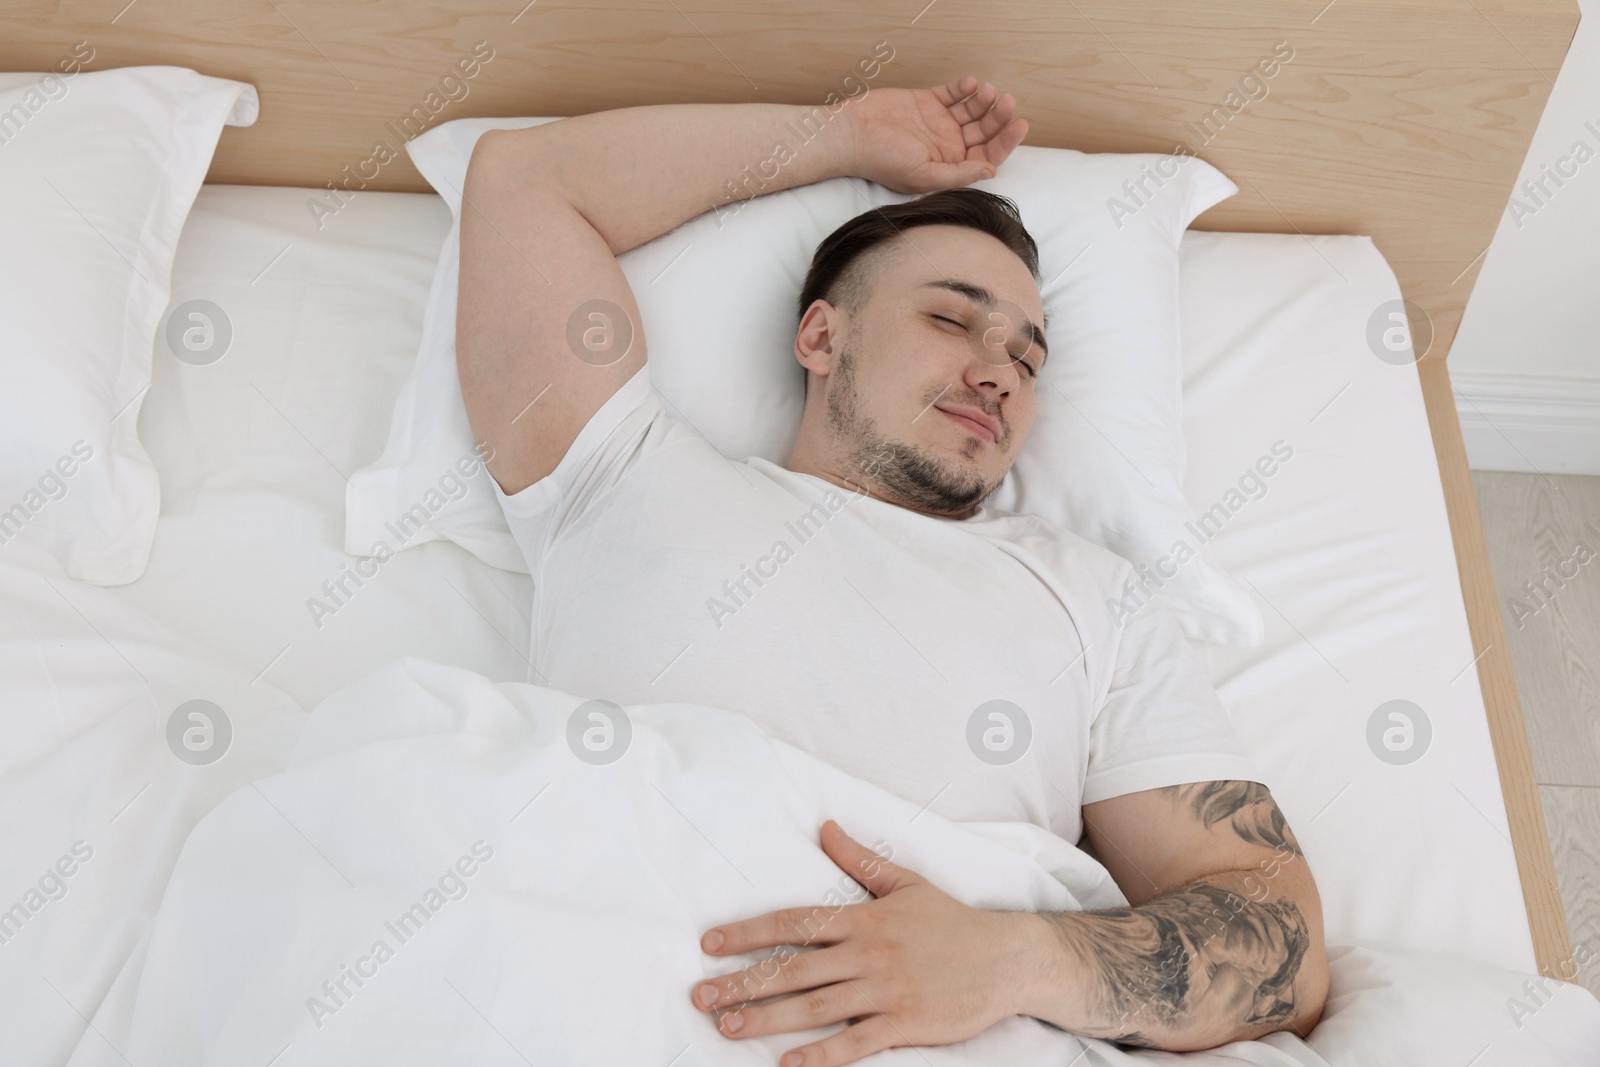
1162	722
609	445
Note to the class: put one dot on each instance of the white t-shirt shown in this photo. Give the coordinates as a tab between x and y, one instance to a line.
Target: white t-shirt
874	637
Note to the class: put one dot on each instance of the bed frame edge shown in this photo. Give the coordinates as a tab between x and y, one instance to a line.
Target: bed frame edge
1547	921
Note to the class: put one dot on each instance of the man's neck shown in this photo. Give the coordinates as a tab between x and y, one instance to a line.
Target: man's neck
837	474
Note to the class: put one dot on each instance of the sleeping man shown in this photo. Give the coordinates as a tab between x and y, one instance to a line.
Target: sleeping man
860	601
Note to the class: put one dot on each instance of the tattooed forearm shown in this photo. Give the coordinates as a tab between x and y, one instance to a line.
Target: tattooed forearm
1246	806
1200	959
1235	951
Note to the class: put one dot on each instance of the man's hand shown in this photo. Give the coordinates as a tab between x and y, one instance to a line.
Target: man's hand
925	140
914	965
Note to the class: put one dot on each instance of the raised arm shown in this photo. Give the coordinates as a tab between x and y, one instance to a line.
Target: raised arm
547	327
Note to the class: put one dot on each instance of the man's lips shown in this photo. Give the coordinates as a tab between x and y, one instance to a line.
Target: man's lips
975	422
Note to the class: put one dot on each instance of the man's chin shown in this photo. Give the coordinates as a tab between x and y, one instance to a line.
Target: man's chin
963	476
957	494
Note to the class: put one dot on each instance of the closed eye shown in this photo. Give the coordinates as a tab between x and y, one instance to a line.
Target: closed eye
1031	372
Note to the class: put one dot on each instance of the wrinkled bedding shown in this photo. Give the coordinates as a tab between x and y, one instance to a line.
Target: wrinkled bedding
448	871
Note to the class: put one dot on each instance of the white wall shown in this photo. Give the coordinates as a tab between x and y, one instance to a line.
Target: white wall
1526	363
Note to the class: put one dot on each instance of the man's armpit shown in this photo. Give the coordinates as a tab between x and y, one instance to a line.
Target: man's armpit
1245	808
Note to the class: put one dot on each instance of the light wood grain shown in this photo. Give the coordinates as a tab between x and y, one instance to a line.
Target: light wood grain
1407	122
1524	815
1573	813
1534	523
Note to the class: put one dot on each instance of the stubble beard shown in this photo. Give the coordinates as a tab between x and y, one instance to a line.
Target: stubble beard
902	473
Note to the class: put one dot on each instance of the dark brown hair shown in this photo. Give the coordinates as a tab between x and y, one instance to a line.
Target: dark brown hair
840	267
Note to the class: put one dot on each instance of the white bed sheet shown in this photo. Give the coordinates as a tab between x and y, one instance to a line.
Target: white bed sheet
1350	554
1349	549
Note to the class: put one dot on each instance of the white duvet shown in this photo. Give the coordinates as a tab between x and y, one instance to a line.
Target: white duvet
438	878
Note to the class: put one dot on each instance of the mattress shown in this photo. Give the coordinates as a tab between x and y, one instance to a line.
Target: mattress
1346	546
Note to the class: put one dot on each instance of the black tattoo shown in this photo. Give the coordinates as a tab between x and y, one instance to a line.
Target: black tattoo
1198	950
1247	806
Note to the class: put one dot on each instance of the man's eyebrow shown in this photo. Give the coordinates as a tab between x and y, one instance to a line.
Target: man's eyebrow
984	298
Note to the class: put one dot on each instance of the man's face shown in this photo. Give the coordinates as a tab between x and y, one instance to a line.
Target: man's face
925	350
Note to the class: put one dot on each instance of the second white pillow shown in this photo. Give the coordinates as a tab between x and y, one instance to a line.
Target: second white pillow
98	174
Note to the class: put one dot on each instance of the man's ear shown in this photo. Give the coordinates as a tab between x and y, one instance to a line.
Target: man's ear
817	341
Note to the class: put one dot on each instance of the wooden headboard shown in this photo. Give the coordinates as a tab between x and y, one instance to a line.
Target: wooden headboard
1405	121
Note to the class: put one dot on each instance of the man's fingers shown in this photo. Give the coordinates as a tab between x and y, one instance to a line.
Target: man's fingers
974	105
992	133
959	89
971	171
819	925
877	874
872	1034
819	1007
991	122
1002	146
784	972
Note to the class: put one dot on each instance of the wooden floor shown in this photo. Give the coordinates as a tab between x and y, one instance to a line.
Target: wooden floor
1545	530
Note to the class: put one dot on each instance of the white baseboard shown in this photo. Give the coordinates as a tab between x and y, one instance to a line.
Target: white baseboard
1514	422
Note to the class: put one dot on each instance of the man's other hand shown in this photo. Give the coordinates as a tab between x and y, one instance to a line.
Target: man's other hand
925	140
914	966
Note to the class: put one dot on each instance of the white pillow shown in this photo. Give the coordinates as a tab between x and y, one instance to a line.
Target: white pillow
1105	458
97	173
